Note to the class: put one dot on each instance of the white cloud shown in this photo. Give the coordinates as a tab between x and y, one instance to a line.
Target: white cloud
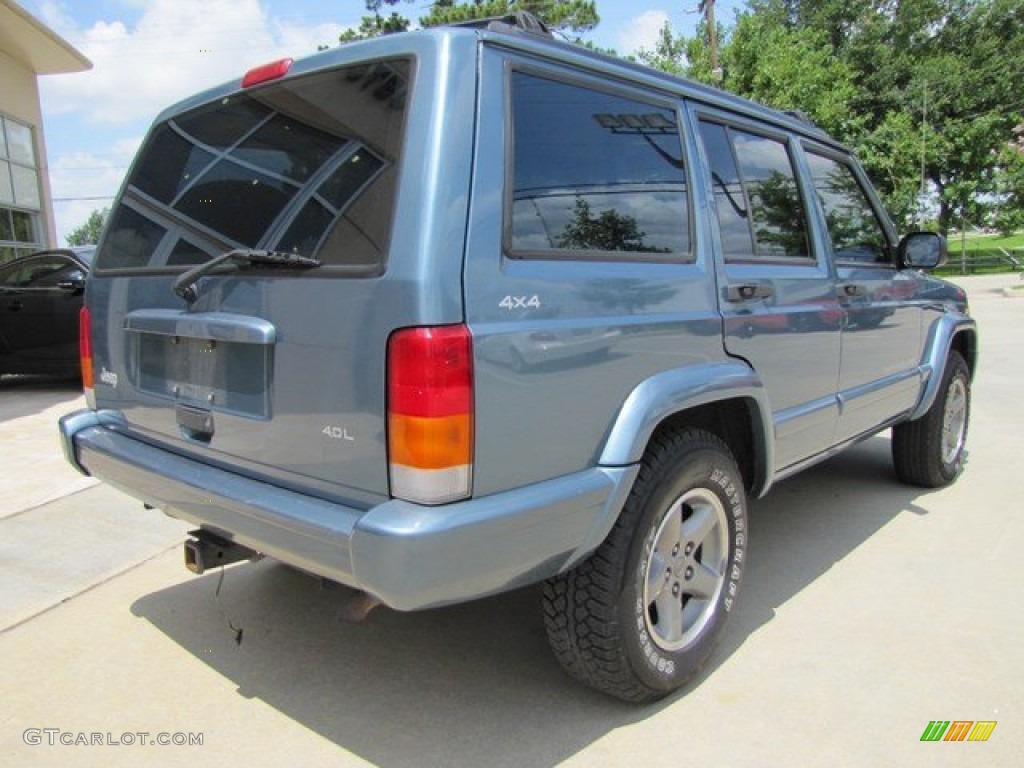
174	49
53	14
82	181
154	54
641	31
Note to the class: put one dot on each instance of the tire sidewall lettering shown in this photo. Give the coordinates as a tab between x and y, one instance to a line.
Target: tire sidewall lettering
664	664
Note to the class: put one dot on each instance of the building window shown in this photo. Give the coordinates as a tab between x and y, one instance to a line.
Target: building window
20	199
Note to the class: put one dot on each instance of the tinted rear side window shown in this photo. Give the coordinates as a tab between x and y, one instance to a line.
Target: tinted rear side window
761	214
595	173
306	166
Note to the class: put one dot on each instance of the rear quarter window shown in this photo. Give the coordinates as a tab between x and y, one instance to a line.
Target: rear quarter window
594	175
305	165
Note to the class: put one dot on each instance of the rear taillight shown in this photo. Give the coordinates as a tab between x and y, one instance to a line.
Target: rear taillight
430	413
85	354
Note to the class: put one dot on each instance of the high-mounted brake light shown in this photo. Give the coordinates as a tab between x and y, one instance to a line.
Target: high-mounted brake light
85	354
266	72
430	413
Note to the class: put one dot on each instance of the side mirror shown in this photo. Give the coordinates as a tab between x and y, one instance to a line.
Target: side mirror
922	250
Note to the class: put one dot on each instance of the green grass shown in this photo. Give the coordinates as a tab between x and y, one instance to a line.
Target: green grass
982	254
973	243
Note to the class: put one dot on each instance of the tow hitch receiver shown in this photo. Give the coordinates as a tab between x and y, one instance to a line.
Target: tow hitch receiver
206	550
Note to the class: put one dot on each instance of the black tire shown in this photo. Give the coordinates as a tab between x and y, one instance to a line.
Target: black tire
602	617
929	451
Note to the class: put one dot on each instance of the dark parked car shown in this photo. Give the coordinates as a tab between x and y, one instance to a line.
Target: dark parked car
40	298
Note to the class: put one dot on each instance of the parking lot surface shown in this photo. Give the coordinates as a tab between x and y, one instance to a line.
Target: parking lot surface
870	609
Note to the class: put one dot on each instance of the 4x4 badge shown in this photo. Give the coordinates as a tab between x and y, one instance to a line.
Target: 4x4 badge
520	302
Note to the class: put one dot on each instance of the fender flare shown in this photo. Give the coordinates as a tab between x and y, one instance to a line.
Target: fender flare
936	352
670	392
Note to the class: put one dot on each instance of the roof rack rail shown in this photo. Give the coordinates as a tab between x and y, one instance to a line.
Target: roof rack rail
520	21
800	115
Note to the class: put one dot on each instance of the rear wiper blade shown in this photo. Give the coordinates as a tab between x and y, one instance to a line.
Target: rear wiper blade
185	285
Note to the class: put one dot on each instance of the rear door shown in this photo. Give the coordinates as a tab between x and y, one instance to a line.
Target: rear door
778	293
583	275
881	340
274	371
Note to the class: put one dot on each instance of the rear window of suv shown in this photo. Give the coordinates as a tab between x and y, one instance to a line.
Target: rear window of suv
307	166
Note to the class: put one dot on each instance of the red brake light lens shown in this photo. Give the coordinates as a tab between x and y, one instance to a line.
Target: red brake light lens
430	413
431	371
266	72
85	347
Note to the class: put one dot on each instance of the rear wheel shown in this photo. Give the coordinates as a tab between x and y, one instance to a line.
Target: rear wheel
929	451
641	616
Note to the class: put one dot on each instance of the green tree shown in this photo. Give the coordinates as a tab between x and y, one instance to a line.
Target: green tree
1009	216
89	231
375	26
608	231
681	55
791	69
936	80
669	53
933	80
575	16
777	214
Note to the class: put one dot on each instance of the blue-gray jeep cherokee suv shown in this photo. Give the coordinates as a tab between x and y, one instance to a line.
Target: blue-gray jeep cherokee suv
445	313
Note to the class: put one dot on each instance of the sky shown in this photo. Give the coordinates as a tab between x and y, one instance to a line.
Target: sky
148	54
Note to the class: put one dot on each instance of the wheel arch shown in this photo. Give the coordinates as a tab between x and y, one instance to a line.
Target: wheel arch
965	342
949	332
726	399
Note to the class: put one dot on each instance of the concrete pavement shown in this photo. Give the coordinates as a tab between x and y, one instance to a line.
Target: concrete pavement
60	532
869	610
34	471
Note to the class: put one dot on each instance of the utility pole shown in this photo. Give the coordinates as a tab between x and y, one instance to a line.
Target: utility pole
708	7
924	147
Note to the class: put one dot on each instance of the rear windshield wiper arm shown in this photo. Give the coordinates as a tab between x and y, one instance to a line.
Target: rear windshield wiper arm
185	285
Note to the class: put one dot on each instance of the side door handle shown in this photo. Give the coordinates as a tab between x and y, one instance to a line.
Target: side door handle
748	291
851	290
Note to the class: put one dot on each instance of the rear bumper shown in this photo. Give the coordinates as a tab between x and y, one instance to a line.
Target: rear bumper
409	556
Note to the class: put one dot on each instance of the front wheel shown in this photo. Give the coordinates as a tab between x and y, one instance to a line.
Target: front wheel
929	451
641	616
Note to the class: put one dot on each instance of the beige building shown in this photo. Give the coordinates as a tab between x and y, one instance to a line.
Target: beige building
28	48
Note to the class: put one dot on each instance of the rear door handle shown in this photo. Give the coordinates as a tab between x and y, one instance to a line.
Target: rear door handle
748	291
851	290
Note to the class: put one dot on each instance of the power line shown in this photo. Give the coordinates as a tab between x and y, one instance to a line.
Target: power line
56	169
